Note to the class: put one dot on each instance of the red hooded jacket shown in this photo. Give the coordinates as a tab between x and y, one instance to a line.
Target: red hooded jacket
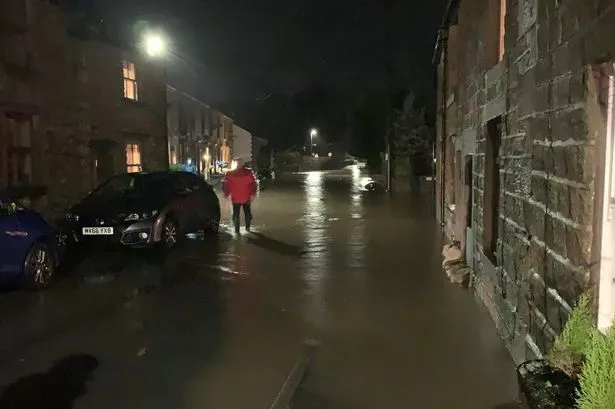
240	185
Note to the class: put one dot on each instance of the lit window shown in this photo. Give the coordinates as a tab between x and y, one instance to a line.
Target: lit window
130	81
502	30
133	158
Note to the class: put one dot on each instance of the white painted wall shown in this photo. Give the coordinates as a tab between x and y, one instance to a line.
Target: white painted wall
242	144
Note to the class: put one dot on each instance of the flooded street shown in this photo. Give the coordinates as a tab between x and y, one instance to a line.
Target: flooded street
221	323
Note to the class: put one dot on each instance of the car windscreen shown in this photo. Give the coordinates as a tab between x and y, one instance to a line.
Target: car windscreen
158	183
128	184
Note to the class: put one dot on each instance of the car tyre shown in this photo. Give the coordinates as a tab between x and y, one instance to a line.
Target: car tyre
169	234
212	225
39	267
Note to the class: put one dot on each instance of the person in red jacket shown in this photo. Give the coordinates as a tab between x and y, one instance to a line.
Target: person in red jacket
240	186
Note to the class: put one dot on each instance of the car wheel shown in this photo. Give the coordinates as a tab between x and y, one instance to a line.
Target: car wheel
212	226
170	234
39	267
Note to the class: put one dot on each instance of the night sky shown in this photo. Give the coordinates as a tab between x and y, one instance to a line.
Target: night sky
252	48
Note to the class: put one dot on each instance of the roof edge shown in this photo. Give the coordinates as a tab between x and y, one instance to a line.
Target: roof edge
451	8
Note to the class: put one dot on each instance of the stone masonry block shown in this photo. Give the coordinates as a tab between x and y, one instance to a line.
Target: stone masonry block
539	186
559	198
541	97
543	40
574	163
537	331
538	294
578	245
517	179
507	313
581	201
555	236
570	21
535	219
572	202
561	91
578	86
568	283
516	146
542	70
556	314
539	128
570	125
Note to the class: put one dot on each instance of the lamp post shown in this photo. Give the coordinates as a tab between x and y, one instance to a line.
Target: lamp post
313	134
155	45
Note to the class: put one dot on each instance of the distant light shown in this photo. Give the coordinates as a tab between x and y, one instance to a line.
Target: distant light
189	161
330	155
234	165
155	45
316	155
313	132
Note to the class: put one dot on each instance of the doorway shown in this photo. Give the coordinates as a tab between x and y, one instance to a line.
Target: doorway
491	206
467	179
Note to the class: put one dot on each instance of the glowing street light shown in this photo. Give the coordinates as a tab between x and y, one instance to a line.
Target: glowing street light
155	45
313	134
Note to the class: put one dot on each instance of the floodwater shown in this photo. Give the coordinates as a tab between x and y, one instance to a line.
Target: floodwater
220	323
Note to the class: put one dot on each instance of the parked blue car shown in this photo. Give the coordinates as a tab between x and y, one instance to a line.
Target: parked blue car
30	249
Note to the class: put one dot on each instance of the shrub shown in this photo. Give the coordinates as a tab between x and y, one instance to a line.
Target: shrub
175	167
597	379
570	347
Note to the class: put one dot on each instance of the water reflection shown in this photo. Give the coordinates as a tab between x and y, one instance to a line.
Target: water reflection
356	240
317	241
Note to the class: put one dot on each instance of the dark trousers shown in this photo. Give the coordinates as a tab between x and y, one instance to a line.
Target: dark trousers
247	212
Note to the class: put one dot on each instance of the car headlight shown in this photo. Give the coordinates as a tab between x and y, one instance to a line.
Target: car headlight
133	217
72	217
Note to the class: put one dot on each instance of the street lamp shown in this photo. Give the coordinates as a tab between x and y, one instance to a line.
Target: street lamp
313	134
154	44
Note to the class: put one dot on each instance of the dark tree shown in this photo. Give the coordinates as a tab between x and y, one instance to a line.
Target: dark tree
412	138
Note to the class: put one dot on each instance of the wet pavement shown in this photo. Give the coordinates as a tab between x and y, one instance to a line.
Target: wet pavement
220	323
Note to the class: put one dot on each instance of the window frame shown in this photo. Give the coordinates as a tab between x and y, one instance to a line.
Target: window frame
129	76
130	162
502	9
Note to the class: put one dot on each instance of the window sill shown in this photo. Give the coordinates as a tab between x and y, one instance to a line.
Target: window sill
132	101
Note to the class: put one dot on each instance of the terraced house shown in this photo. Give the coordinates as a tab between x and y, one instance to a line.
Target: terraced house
526	175
75	108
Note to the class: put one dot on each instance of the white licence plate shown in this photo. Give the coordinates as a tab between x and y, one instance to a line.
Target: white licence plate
97	231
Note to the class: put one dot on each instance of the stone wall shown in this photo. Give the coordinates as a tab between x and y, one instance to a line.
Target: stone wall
70	90
546	224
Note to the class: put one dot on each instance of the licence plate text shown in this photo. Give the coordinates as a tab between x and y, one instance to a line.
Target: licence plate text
97	231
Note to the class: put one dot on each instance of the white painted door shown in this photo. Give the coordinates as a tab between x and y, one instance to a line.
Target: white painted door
606	306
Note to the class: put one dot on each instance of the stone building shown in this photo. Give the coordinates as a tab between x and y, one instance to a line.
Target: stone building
223	142
525	158
242	144
74	109
190	126
199	132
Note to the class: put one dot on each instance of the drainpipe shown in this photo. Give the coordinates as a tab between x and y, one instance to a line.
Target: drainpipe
444	39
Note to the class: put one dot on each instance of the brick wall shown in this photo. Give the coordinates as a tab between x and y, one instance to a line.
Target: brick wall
547	225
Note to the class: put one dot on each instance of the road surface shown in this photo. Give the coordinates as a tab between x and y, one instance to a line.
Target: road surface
220	324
